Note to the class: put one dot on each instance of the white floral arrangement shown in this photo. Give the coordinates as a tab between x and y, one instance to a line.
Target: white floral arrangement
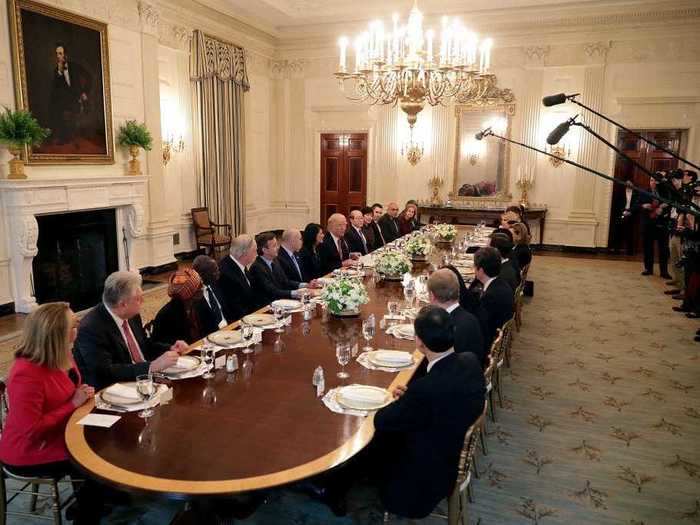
392	263
417	246
446	232
344	294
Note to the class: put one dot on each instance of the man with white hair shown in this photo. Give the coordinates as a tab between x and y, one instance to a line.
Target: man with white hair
334	251
235	280
112	345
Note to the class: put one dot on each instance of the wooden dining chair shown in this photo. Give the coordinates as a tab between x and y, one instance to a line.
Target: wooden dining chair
206	234
507	341
462	492
518	309
30	486
491	371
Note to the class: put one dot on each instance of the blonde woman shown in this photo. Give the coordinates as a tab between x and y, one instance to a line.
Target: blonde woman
521	238
43	389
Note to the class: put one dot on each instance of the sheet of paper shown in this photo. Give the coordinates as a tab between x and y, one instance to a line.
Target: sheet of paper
99	420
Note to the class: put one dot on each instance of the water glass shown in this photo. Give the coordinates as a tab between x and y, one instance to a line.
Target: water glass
279	314
208	354
409	293
393	307
343	352
368	331
146	389
247	333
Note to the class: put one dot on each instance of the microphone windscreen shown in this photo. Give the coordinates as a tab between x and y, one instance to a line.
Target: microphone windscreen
479	135
557	133
553	100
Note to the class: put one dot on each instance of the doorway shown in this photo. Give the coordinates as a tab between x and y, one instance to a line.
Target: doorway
623	234
343	173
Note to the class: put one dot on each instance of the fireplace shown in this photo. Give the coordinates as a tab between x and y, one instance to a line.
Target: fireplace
77	251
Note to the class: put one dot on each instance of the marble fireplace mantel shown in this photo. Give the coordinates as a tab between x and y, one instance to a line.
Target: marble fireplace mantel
23	200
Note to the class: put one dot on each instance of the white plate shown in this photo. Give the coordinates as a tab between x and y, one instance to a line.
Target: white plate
260	319
352	397
116	400
225	337
287	304
185	363
405	330
383	358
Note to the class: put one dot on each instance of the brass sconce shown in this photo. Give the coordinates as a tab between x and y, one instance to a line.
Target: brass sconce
560	152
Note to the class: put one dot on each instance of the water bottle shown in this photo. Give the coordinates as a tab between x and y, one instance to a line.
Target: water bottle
231	363
319	381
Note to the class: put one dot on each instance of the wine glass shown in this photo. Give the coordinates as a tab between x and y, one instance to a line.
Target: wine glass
409	293
146	390
343	354
368	331
393	307
208	357
278	312
247	333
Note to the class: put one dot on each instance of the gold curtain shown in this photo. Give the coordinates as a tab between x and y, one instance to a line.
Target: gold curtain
219	78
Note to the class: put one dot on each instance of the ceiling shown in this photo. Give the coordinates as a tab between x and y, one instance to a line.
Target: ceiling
290	18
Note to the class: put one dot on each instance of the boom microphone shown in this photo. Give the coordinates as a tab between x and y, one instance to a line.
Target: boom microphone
558	133
554	100
483	133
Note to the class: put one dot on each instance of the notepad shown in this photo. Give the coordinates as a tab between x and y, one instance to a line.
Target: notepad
99	420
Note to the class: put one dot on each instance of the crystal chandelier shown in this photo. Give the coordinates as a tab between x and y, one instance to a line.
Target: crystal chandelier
413	150
399	67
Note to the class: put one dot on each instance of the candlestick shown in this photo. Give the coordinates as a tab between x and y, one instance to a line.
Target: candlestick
343	43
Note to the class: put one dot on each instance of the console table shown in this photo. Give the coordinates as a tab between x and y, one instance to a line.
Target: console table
473	215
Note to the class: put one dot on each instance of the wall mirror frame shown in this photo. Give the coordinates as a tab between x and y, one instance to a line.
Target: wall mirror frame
498	103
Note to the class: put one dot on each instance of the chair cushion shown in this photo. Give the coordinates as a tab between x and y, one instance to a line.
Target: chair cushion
218	239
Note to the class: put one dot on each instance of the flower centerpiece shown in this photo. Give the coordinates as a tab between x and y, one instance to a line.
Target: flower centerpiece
417	248
134	135
392	264
344	296
446	232
17	130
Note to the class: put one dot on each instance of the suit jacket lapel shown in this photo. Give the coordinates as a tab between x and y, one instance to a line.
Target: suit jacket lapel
115	331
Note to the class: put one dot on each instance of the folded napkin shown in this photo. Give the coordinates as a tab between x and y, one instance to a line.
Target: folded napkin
393	330
182	364
127	392
163	396
363	395
394	357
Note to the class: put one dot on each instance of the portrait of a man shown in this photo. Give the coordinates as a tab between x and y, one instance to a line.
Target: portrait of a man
63	79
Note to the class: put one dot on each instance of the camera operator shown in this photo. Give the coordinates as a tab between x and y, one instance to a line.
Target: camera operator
654	228
675	246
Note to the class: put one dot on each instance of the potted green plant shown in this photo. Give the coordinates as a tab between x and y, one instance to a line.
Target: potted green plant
17	130
135	135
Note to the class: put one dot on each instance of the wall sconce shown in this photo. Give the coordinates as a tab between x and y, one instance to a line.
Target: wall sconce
560	152
412	150
170	146
474	150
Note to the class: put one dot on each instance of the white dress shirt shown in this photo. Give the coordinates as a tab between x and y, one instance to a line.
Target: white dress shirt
442	356
243	268
452	308
208	295
120	322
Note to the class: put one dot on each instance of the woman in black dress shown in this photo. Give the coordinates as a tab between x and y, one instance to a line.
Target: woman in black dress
308	255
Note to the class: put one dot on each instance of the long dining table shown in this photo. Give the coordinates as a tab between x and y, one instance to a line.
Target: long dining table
259	427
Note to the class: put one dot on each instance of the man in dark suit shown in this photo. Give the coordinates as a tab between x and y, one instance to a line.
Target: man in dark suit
268	277
389	223
354	236
112	345
212	308
443	289
287	256
239	297
654	228
334	251
495	306
370	230
420	435
510	270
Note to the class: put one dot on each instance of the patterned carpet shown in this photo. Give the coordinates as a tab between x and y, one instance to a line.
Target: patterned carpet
602	415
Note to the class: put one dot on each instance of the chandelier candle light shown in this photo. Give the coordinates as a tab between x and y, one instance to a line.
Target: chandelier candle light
400	66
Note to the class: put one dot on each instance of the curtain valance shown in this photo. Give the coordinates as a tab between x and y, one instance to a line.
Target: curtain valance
213	58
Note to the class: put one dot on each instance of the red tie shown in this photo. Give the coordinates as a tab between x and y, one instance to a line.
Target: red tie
131	343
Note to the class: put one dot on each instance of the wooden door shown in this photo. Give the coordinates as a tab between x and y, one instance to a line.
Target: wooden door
343	173
623	234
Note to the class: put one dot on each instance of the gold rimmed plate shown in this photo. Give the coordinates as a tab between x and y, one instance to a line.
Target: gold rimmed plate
363	397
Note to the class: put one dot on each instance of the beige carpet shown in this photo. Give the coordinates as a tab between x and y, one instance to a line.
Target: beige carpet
153	300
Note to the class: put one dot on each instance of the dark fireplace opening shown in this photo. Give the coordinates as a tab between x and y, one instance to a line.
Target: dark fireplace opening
77	251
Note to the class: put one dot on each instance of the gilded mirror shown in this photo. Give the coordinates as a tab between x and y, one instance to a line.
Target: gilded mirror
482	168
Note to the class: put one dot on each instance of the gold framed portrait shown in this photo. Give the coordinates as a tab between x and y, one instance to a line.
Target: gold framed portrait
61	73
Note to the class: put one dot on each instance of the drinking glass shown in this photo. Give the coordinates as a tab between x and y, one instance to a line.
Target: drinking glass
146	390
343	354
409	293
393	307
247	333
278	312
368	331
305	296
208	354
